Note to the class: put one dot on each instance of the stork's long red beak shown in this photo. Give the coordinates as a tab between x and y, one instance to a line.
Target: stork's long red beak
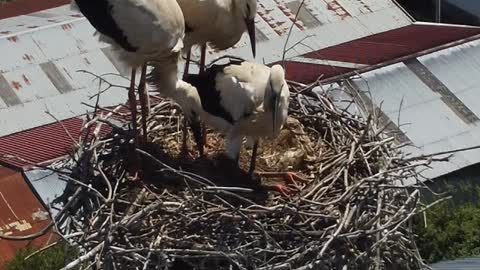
251	32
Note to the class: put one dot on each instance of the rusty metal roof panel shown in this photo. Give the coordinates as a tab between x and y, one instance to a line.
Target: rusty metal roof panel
434	101
20	214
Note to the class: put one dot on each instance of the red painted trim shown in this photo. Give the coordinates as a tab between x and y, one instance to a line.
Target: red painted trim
22	7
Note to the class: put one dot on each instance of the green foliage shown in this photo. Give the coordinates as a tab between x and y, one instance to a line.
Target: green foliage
453	227
451	232
50	259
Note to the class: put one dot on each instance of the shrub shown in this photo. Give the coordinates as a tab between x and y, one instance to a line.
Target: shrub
451	232
53	258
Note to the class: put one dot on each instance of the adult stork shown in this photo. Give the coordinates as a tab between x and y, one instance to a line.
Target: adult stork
240	99
146	30
220	23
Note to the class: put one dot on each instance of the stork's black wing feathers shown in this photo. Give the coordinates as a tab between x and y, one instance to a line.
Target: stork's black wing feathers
205	83
99	14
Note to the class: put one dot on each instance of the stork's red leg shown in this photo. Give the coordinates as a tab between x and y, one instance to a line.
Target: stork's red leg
132	100
290	177
144	102
202	68
284	190
253	160
133	110
184	150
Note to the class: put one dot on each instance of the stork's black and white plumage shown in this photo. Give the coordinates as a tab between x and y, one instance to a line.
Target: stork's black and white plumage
241	99
144	30
220	23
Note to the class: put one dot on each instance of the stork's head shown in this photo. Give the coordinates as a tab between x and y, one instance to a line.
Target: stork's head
248	10
276	96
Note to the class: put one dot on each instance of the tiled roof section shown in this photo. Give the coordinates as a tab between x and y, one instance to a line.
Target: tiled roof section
20	214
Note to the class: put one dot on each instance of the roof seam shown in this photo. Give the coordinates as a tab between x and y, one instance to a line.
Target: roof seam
40	28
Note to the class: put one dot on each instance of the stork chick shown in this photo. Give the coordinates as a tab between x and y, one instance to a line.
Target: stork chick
147	30
241	99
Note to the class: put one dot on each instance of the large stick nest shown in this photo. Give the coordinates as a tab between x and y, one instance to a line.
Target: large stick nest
203	214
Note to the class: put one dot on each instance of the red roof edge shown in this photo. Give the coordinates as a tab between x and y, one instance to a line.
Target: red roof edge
22	7
445	24
11	166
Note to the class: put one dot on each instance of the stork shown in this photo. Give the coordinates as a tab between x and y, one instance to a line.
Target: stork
240	99
147	30
220	23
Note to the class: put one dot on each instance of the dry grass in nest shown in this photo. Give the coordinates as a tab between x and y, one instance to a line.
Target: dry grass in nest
292	150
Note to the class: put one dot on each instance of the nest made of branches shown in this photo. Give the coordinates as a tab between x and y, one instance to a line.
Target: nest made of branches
201	213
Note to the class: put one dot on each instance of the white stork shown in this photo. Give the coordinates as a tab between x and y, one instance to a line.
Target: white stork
240	99
220	23
145	30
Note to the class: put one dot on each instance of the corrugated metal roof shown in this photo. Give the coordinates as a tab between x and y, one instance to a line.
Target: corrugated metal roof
460	264
20	214
395	43
375	49
48	47
48	186
42	144
436	97
39	72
